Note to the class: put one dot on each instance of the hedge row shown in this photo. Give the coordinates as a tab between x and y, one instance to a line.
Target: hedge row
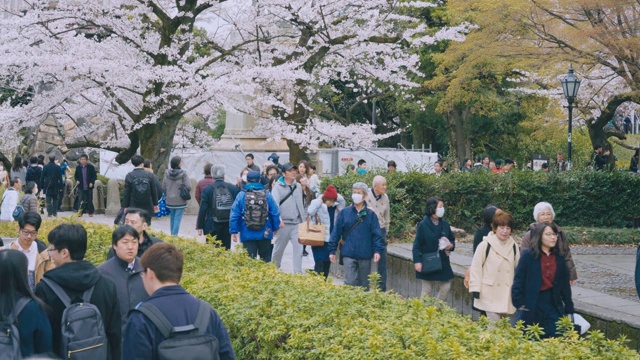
579	198
273	315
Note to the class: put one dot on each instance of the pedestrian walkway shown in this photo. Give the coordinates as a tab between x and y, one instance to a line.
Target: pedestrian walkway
188	230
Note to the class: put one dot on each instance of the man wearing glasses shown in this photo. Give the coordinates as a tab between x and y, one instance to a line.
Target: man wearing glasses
34	248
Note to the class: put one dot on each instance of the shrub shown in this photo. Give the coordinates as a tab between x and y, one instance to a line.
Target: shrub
579	198
273	315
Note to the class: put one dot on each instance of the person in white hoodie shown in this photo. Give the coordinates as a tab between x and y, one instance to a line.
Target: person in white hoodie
10	200
326	207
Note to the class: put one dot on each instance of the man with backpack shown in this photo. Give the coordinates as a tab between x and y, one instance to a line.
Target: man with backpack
80	298
140	188
288	195
171	323
215	207
255	218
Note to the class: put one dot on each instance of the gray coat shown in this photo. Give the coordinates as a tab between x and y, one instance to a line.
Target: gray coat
292	211
129	286
173	179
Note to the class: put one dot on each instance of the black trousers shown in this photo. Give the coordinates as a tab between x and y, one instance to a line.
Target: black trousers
221	233
86	200
322	267
259	247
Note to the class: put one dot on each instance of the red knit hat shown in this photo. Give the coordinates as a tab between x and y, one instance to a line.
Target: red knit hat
330	193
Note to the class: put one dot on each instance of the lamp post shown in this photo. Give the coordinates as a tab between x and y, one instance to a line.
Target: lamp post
570	87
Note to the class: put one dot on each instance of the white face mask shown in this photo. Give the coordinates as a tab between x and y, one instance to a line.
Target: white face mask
440	212
357	198
244	178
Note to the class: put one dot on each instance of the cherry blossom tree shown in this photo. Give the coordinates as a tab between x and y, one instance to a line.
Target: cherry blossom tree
126	71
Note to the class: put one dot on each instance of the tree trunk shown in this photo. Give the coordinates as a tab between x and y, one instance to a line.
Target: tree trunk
156	141
460	144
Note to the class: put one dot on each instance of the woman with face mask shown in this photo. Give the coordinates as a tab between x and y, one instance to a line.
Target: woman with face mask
326	207
434	235
543	212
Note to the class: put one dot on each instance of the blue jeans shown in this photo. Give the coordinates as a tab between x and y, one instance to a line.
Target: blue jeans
176	217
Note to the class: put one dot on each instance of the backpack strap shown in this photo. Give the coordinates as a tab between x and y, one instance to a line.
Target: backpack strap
20	304
157	318
489	248
86	296
57	289
291	190
202	320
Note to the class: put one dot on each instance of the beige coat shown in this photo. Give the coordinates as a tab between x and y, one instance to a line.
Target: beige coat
381	208
43	261
493	280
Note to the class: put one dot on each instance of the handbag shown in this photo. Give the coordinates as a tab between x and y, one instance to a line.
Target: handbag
184	192
580	324
312	235
431	263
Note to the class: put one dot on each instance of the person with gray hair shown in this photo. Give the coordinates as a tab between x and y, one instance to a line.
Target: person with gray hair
215	207
378	201
359	229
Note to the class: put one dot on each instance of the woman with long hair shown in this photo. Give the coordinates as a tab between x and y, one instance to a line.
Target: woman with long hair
30	319
18	170
541	290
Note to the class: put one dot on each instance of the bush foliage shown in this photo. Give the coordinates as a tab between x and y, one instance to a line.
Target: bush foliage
273	315
579	198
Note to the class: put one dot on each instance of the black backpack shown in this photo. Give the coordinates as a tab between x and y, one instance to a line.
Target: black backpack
83	333
141	190
221	204
9	335
255	209
188	342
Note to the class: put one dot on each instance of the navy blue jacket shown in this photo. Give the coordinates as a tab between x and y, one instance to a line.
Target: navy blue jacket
638	271
51	180
528	280
364	240
427	241
35	330
141	338
205	214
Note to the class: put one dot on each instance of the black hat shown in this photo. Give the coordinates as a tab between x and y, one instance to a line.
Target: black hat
287	167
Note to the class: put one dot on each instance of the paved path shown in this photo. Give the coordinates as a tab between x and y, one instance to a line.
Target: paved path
188	230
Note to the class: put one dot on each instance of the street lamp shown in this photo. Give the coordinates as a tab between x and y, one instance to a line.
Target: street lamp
570	86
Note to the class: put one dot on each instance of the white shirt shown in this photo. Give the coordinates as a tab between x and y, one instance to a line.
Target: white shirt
31	253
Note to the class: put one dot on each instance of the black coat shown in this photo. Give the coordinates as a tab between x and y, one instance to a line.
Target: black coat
129	285
91	174
51	179
34	173
427	241
76	277
528	280
149	202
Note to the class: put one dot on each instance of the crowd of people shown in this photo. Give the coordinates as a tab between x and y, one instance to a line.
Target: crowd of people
132	297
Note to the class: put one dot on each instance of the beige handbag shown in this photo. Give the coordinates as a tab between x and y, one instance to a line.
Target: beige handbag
311	235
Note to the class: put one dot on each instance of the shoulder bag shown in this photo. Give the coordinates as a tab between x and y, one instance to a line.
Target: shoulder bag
431	262
185	194
312	235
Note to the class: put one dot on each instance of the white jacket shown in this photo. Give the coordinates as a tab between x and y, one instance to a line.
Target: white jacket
9	203
494	279
317	206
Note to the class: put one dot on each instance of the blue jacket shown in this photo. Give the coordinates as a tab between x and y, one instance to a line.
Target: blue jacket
35	330
527	283
364	240
236	220
638	271
427	240
141	338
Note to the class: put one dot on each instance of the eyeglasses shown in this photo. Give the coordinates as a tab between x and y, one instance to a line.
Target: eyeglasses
550	234
29	233
50	250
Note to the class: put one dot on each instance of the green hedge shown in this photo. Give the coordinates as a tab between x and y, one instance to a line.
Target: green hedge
273	315
585	199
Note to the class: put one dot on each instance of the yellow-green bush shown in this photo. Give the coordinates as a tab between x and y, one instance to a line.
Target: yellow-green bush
273	315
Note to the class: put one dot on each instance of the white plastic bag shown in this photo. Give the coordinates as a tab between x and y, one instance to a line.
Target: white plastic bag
584	324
